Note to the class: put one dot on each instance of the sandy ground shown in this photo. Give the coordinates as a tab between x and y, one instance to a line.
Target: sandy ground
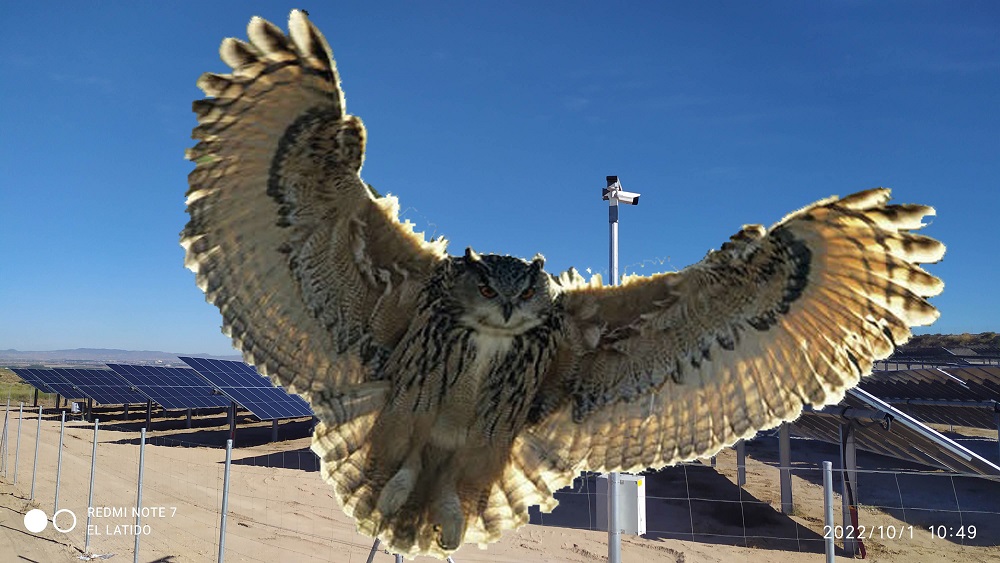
280	510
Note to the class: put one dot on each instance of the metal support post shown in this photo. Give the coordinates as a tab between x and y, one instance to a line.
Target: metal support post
274	430
785	472
149	413
399	558
188	424
34	464
614	527
90	498
849	463
138	495
36	398
62	432
828	510
17	443
232	421
225	501
371	554
741	463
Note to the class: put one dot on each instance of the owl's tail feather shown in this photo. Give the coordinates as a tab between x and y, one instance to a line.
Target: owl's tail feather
529	479
343	452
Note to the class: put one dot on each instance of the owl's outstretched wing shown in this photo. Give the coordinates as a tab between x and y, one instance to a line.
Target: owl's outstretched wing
315	277
677	366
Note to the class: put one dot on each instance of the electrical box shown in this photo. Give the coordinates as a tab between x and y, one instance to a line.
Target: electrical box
631	503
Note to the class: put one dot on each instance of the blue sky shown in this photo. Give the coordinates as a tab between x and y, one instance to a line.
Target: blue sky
496	124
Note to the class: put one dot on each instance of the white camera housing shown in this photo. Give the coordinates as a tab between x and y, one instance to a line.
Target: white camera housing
615	193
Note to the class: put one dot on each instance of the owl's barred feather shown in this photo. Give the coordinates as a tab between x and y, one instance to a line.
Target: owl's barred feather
455	392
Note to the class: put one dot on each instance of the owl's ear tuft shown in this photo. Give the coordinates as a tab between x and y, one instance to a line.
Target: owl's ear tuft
538	262
471	255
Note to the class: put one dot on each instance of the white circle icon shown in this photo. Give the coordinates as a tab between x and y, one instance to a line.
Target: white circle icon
35	521
56	515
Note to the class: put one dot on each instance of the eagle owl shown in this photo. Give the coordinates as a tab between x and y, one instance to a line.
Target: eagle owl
454	392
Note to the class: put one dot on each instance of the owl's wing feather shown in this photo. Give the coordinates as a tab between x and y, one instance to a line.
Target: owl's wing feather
315	277
679	365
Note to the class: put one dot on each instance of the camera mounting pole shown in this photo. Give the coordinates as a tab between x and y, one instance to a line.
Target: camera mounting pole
614	194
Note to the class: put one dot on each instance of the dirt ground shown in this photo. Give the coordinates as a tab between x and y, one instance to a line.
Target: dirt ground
280	510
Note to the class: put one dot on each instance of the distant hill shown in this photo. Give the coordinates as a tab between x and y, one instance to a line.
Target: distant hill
98	356
983	341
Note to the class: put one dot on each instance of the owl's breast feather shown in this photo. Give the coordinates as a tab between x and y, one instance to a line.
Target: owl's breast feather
456	421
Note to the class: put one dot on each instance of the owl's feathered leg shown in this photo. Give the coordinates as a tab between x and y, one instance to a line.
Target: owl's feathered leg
398	489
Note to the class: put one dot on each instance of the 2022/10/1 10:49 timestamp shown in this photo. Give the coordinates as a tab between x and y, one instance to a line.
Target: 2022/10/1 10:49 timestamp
897	532
949	532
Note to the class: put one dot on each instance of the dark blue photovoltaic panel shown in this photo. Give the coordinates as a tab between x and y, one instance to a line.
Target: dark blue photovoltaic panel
58	384
102	385
172	388
32	379
250	390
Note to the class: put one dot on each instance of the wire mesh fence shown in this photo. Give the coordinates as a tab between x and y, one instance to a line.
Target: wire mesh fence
279	508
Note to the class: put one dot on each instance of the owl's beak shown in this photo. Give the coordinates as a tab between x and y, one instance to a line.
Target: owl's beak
508	309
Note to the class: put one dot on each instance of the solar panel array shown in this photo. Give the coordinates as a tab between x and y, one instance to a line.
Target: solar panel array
172	388
245	386
30	378
942	395
102	385
54	383
906	438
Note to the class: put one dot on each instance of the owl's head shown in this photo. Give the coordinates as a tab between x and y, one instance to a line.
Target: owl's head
502	294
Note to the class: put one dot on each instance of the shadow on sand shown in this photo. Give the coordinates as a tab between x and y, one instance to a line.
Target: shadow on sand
695	503
915	494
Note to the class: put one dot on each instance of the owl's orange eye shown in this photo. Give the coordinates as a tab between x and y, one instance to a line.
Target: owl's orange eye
528	293
487	291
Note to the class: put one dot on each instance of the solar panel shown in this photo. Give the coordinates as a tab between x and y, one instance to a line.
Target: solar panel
58	384
250	390
32	379
172	388
102	385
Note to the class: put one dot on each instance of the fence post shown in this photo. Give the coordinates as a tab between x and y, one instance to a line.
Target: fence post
3	440
785	472
17	446
62	432
34	464
225	500
138	496
741	463
90	499
828	510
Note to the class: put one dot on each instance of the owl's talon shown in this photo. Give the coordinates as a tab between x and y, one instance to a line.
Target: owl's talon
450	537
450	525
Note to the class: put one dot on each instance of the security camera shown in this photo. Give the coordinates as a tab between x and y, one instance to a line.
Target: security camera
628	197
614	191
